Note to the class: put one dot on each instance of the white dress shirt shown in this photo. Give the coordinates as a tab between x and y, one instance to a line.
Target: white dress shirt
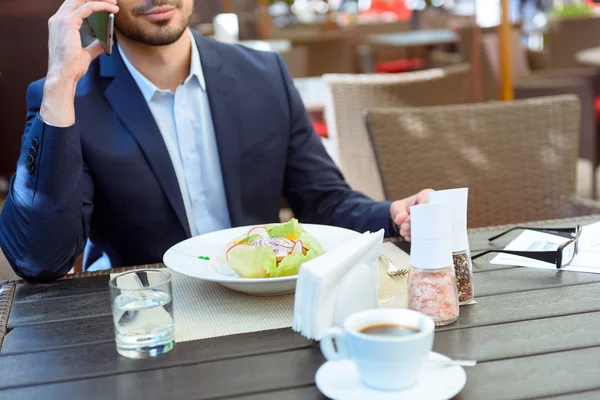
186	125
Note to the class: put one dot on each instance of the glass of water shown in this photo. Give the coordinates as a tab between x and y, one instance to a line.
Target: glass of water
142	308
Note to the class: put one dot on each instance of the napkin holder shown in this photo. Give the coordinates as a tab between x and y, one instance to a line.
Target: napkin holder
358	292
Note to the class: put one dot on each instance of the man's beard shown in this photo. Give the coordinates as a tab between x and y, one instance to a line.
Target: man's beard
165	36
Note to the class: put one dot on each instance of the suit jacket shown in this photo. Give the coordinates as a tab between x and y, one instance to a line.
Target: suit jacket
108	180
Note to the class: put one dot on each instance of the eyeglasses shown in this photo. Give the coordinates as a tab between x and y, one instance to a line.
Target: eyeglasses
562	256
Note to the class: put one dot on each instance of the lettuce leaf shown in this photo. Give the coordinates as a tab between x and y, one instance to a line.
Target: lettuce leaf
311	243
252	261
290	265
291	230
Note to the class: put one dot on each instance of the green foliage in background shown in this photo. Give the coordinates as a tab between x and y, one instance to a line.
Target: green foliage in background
288	2
572	10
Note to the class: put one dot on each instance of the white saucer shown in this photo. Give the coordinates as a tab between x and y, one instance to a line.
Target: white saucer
339	380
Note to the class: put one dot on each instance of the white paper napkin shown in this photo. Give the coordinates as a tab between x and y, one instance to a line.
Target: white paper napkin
338	283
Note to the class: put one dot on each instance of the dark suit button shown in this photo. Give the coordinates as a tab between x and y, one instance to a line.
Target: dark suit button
30	168
35	143
29	160
33	152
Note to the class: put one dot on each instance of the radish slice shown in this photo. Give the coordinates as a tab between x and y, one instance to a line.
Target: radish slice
259	230
298	247
233	247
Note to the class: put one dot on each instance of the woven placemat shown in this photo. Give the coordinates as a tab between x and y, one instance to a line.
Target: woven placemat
205	309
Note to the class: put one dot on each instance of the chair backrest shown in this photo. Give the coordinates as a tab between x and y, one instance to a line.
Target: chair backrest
473	50
567	36
519	65
348	97
518	159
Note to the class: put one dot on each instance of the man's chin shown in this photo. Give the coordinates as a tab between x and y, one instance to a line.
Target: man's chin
155	34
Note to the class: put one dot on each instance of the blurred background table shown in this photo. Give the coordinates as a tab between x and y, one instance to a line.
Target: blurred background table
589	57
430	37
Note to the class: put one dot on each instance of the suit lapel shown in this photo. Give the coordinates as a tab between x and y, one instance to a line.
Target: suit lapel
128	103
220	86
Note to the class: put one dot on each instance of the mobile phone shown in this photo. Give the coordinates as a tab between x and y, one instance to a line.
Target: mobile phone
103	27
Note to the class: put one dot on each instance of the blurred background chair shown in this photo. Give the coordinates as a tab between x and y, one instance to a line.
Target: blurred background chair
519	159
567	36
348	97
583	82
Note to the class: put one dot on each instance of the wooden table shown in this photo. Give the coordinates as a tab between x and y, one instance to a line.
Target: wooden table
534	332
429	37
589	57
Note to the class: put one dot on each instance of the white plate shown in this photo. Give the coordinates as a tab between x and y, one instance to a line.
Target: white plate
340	381
183	258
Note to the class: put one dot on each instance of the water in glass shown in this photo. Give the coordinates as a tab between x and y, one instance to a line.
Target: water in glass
143	322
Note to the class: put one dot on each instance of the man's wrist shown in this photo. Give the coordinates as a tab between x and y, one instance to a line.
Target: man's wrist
58	102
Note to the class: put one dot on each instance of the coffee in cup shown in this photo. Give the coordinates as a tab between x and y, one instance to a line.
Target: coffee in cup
388	346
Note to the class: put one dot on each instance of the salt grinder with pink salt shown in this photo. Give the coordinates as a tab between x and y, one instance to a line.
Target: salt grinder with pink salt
432	280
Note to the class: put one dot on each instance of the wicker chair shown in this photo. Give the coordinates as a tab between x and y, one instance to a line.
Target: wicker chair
349	96
567	36
583	82
519	159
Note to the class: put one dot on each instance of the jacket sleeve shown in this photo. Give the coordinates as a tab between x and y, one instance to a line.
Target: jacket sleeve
45	220
314	187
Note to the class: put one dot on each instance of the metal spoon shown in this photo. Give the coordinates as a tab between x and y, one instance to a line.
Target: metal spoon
460	363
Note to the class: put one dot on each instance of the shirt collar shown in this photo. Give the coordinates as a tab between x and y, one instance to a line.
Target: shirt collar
148	88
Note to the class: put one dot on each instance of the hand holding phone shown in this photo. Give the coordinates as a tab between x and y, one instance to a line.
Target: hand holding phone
68	61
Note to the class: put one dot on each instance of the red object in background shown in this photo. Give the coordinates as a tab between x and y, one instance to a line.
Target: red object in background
597	108
320	128
401	65
394	6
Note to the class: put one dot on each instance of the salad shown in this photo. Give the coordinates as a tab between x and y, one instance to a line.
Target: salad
272	251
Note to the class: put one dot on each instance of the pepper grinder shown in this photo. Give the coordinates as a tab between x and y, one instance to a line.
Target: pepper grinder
461	253
432	280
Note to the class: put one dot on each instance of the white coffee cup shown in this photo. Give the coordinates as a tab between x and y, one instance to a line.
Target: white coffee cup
383	362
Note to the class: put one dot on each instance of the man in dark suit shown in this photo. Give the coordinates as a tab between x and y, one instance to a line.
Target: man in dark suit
171	136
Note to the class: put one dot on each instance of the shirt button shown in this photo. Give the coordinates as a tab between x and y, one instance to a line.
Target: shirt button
29	160
35	143
196	197
33	152
29	168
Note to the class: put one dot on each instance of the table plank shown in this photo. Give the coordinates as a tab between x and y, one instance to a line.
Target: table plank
61	288
588	395
544	303
309	392
535	376
74	363
55	335
494	342
219	379
522	279
59	309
